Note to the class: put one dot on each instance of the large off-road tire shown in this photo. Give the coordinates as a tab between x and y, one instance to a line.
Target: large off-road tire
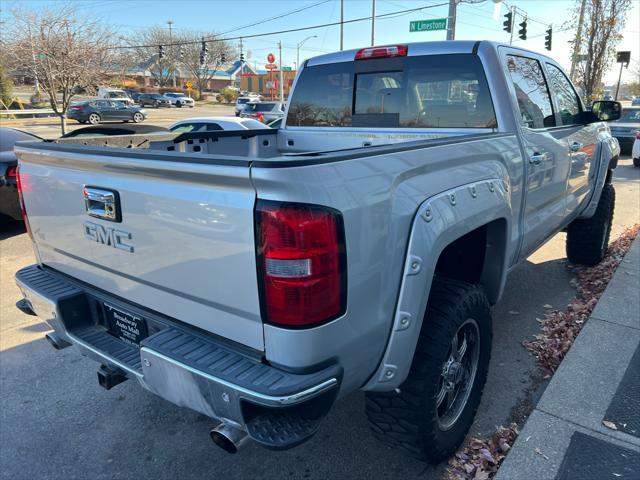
431	412
587	239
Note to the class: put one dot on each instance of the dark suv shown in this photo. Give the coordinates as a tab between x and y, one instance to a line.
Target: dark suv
96	111
153	99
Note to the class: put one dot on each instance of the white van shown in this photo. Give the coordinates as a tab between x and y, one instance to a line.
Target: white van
114	94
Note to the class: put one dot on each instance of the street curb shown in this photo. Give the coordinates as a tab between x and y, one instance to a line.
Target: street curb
584	385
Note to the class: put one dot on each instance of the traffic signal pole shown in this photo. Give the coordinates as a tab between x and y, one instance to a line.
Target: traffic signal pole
513	16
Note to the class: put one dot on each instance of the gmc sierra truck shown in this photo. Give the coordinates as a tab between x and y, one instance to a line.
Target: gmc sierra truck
258	276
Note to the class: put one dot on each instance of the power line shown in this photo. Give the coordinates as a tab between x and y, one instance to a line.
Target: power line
279	32
277	17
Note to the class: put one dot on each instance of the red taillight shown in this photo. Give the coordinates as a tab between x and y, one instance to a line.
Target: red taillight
301	262
77	109
258	116
23	187
12	172
382	52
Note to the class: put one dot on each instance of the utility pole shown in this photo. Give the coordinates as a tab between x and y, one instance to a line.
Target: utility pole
341	25
281	74
241	66
578	41
298	49
451	21
373	22
173	57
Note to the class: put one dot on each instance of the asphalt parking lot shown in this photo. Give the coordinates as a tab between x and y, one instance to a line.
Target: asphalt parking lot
57	423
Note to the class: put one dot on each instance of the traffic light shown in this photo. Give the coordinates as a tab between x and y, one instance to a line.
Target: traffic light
160	52
180	52
242	57
522	33
547	39
223	58
508	22
203	53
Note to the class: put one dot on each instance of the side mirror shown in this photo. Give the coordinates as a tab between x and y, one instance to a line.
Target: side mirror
606	110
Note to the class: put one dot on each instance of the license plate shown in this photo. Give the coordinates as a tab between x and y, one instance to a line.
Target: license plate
124	325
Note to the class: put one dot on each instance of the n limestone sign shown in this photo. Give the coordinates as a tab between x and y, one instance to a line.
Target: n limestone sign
428	25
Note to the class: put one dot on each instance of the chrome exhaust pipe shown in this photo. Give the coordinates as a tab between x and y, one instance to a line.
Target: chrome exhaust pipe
229	437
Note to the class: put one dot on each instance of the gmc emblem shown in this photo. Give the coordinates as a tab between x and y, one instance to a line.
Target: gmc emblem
108	236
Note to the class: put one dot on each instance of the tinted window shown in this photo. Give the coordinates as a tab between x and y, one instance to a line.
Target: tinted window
259	107
566	97
531	91
438	91
629	116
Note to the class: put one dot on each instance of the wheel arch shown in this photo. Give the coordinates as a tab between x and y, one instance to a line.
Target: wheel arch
472	216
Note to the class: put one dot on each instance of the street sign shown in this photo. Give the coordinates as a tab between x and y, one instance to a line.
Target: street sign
189	84
271	58
428	25
623	57
286	69
271	66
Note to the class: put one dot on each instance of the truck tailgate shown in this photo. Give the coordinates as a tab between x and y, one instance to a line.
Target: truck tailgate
184	245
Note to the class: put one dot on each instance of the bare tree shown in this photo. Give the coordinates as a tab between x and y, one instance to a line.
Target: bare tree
602	23
161	69
65	53
217	51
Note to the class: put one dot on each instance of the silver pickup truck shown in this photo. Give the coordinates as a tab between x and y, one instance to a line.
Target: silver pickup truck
258	276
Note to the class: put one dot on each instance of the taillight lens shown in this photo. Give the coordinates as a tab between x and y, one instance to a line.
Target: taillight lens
258	116
23	186
382	52
301	263
12	172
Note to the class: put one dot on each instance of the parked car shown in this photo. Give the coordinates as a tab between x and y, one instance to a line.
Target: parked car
625	128
635	102
134	95
9	201
115	94
242	101
154	100
358	247
635	152
110	130
209	124
179	100
264	111
96	111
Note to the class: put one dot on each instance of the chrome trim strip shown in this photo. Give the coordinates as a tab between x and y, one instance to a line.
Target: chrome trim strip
250	394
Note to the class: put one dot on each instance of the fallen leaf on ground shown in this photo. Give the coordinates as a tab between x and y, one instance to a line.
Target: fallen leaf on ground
539	452
609	424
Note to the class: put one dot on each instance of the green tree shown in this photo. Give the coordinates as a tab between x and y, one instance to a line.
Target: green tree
6	87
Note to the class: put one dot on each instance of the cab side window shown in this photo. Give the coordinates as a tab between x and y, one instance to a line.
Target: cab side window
532	92
565	95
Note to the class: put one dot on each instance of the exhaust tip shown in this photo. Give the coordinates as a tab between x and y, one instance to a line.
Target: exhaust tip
56	342
228	437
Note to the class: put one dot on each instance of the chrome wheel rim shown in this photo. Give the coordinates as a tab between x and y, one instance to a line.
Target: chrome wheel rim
137	118
93	118
458	374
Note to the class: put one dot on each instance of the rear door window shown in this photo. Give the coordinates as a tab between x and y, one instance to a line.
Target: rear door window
434	91
532	92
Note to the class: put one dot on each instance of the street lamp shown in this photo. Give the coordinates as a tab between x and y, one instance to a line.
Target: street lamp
298	49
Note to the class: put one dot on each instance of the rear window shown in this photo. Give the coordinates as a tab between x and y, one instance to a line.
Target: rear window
436	91
259	107
629	115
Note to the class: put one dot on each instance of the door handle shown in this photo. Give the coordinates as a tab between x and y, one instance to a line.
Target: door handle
575	146
537	158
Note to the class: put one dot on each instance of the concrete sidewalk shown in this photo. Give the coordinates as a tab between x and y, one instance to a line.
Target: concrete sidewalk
598	381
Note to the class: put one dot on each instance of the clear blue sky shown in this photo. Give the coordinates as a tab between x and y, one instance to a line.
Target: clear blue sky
474	22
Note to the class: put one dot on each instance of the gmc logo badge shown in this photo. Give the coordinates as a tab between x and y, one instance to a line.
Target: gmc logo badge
108	236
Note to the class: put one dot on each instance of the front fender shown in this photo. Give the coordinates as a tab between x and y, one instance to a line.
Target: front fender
439	221
607	153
